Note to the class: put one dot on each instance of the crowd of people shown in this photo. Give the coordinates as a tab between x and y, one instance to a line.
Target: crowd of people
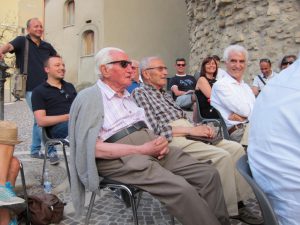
129	128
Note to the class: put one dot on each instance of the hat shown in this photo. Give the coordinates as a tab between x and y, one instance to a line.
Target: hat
8	133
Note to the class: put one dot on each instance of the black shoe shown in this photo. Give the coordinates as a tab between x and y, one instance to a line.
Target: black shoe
54	160
38	155
248	217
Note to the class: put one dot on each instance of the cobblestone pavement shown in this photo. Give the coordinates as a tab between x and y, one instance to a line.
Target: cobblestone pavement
107	209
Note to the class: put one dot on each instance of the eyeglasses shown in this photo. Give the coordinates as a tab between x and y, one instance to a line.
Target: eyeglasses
62	91
123	63
287	63
183	65
159	68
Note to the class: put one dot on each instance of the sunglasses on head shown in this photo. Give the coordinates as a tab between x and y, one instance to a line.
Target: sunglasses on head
122	63
180	64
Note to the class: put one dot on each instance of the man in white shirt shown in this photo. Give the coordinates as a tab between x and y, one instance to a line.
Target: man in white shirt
273	151
266	74
232	96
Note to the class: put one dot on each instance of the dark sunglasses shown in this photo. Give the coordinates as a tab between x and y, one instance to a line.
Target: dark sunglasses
180	65
123	63
287	63
63	92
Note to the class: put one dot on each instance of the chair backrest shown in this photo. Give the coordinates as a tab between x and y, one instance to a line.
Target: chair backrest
265	206
220	120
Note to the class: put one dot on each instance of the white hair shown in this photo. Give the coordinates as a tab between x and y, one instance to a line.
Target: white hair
103	57
234	48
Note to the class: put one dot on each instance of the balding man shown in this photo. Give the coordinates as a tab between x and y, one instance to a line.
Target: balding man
106	125
232	96
38	52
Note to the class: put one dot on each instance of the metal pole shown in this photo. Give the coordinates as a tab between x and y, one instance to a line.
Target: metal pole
3	76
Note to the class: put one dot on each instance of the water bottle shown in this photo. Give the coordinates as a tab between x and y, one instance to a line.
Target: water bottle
47	182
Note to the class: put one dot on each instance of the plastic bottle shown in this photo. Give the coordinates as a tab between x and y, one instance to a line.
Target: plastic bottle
47	182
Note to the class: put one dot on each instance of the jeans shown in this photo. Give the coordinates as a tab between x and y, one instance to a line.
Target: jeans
59	130
36	131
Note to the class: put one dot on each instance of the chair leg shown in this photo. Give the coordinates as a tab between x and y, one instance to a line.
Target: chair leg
172	220
45	160
89	212
66	162
133	205
25	193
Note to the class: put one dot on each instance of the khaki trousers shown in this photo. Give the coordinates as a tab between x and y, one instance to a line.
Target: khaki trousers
241	135
190	190
224	156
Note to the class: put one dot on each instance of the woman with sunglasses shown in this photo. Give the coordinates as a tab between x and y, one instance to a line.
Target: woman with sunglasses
208	74
287	60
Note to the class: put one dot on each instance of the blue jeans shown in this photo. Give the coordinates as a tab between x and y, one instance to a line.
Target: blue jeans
36	131
59	130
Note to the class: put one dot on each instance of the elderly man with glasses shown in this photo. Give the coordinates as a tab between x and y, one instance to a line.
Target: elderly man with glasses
109	136
51	102
183	85
169	120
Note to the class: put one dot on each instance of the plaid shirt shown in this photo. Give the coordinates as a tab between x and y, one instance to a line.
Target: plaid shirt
160	109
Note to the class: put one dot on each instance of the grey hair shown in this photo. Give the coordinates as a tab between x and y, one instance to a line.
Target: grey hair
234	48
144	64
103	57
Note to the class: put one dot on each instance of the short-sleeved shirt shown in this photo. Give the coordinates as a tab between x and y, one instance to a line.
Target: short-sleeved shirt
184	83
53	100
36	57
259	84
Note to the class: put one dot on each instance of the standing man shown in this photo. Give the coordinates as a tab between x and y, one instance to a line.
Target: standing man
169	120
183	86
232	96
51	102
109	137
266	74
38	52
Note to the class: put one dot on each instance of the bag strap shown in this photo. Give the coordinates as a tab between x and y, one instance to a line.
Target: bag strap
261	79
25	69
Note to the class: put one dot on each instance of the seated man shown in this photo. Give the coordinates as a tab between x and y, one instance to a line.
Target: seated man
183	86
261	79
9	169
273	151
168	120
232	96
136	80
106	125
51	102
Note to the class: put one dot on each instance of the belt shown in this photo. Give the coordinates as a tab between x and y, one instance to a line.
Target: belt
126	131
235	127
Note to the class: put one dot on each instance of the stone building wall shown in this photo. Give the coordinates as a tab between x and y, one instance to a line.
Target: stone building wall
266	28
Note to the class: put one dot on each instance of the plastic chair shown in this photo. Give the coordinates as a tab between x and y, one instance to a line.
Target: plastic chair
51	142
265	206
133	192
220	120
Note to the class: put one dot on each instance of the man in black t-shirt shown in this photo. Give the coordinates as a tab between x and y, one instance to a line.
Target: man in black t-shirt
183	86
38	52
52	100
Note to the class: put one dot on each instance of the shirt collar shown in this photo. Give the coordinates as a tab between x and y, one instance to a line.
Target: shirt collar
108	91
232	80
180	75
152	88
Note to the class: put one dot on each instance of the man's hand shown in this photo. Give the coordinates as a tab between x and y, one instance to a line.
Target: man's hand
157	148
236	117
202	131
